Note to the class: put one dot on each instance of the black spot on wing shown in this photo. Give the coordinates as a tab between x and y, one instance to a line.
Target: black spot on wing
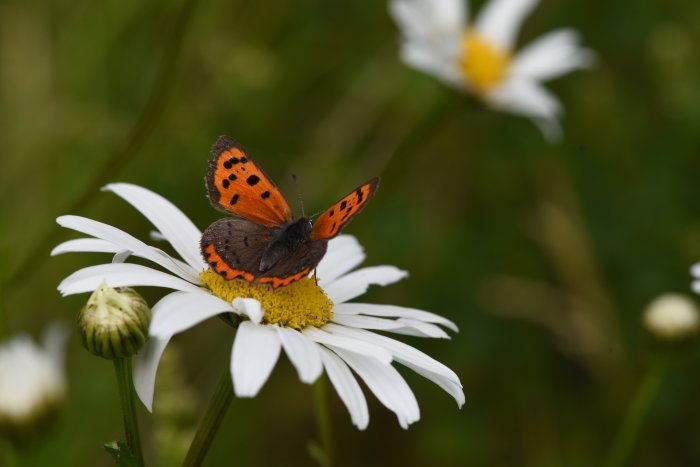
343	205
252	180
265	195
225	183
234	199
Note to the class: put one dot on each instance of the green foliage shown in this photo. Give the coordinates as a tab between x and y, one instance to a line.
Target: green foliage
544	256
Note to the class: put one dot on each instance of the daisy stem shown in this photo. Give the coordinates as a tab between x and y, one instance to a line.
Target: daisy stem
211	422
122	366
636	413
323	423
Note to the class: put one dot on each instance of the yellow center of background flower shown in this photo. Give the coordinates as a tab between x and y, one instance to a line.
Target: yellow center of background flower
483	65
298	305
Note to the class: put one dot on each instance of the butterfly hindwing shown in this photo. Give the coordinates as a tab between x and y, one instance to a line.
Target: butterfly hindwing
236	184
331	222
233	247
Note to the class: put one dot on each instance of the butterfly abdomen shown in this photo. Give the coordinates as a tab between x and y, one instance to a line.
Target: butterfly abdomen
286	243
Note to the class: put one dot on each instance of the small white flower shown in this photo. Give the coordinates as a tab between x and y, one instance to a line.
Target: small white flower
32	381
480	58
672	317
312	323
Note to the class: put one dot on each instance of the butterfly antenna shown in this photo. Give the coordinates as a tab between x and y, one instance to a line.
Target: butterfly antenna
301	200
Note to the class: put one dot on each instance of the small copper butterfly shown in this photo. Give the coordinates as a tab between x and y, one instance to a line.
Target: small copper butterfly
264	244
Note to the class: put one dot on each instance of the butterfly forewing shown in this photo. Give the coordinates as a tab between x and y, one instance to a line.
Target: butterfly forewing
331	222
236	184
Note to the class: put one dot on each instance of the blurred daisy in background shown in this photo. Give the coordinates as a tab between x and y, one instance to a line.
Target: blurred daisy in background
32	383
311	321
479	57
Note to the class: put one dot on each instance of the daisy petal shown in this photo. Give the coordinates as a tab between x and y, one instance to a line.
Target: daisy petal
339	342
695	270
303	354
145	367
255	352
87	245
347	387
249	307
179	311
529	98
412	358
425	18
391	311
552	55
356	283
499	21
182	234
128	243
408	327
121	275
434	59
343	255
387	385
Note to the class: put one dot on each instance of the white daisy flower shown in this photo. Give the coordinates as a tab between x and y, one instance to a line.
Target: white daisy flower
480	58
313	323
32	382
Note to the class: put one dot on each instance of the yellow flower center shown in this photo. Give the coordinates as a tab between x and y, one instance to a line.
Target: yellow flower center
483	64
298	305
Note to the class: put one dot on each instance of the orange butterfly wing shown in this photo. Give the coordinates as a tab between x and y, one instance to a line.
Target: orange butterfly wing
331	222
236	184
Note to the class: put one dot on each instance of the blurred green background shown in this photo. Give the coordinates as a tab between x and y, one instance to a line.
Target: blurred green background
544	256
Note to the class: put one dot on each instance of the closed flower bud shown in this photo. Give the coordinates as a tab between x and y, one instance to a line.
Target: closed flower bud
114	322
672	317
32	384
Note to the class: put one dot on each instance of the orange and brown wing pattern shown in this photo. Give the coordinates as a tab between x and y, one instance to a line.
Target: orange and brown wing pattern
236	184
332	221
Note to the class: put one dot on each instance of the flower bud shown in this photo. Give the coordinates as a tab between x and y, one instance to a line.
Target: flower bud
32	384
672	317
114	322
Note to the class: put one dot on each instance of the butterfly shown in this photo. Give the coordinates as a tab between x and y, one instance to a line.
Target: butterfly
263	243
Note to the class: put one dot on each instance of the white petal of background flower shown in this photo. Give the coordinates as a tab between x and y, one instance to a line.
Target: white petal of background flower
145	368
347	387
426	18
529	98
386	384
393	311
339	342
303	354
436	60
249	307
499	21
121	275
343	255
412	358
129	243
256	349
179	311
356	283
87	245
182	234
552	55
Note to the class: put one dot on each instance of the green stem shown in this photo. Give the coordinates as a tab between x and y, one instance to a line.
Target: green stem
211	422
323	422
636	414
122	366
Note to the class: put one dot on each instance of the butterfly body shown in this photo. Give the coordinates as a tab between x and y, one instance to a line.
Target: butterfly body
264	244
